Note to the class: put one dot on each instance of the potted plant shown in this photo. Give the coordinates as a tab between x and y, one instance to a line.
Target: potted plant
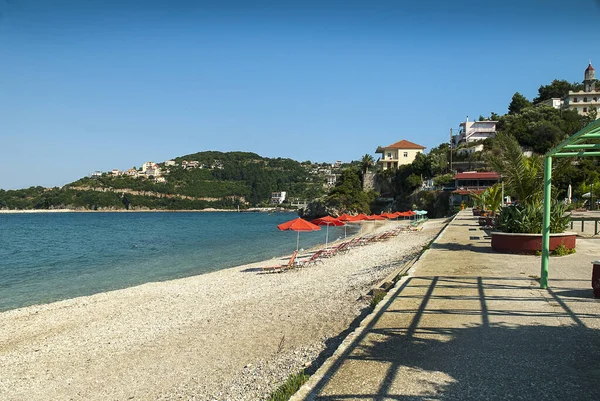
519	228
491	202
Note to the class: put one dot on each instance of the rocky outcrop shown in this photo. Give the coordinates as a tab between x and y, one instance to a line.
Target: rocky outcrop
317	208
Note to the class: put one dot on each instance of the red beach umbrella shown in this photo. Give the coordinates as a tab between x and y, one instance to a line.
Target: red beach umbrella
298	225
327	221
345	217
388	215
360	217
376	217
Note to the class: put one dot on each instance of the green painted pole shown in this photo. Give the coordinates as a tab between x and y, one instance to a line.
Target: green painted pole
546	224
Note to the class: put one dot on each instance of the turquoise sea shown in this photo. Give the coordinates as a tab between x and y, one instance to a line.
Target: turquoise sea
45	257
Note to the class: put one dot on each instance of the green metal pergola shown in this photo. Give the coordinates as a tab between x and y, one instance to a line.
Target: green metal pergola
577	145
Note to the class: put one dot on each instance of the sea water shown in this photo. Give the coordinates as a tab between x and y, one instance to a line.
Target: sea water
45	257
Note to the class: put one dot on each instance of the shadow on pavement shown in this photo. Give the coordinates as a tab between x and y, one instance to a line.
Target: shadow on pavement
480	362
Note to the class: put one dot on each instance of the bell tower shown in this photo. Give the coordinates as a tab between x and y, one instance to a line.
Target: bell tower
589	79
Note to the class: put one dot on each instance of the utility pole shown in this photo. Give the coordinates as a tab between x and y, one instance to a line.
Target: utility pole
450	150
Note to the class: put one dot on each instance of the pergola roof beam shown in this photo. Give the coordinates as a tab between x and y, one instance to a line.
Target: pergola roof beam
583	146
577	143
576	154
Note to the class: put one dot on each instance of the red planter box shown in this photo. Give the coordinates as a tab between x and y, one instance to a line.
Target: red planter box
529	243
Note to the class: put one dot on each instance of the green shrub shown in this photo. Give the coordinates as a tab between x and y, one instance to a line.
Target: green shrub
528	219
376	299
287	389
562	250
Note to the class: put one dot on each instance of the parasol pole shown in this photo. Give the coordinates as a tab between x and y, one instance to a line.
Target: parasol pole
298	242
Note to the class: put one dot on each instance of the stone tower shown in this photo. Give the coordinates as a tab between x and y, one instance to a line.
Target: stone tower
589	79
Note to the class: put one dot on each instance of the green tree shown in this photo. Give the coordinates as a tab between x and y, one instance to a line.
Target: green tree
559	88
518	103
348	196
366	163
541	127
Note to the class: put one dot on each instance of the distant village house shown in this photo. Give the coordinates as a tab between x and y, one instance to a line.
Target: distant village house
278	197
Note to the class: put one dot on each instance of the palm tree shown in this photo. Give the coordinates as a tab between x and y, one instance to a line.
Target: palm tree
523	176
366	162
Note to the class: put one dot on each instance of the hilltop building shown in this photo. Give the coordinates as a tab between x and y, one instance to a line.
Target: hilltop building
586	100
398	154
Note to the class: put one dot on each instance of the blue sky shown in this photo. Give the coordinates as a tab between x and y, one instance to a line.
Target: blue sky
95	85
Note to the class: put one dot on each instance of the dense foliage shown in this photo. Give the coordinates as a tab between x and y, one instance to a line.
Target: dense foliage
348	196
221	180
528	219
55	198
558	88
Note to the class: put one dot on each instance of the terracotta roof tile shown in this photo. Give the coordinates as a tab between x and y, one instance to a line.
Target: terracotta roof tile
404	144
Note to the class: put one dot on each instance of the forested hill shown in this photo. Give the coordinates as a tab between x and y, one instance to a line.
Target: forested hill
194	181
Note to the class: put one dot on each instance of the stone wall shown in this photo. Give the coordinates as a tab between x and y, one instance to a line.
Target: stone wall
369	181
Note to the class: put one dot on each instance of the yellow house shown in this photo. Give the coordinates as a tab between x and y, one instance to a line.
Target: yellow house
398	154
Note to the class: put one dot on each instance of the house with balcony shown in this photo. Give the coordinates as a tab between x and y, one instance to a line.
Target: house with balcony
149	166
473	131
471	182
398	154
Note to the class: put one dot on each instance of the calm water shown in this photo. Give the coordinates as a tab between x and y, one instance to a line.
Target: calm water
52	256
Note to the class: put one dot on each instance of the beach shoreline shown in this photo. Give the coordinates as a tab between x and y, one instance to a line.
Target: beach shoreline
233	334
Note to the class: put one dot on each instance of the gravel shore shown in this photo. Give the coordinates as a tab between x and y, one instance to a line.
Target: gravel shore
234	334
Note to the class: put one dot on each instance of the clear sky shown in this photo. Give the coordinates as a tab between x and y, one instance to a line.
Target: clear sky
91	85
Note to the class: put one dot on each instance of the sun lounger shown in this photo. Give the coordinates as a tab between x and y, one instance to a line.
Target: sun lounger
343	247
280	268
313	260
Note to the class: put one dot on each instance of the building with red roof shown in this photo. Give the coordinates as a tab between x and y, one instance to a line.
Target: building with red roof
471	182
398	154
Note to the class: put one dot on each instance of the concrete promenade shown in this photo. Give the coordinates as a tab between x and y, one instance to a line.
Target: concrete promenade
472	324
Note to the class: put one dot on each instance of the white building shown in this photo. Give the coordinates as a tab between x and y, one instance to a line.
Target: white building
398	154
170	163
132	172
473	131
555	102
278	197
586	100
154	172
331	180
149	166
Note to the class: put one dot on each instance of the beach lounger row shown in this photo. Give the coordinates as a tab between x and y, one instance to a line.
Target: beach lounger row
340	248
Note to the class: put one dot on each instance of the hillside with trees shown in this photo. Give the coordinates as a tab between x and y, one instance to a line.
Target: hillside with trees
218	180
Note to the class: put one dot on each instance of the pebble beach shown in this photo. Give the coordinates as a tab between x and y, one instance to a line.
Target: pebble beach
233	334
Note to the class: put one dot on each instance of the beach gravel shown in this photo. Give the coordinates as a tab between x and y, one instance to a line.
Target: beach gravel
234	334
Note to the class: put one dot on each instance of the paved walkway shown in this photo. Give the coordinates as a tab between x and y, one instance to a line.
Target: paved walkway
471	324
